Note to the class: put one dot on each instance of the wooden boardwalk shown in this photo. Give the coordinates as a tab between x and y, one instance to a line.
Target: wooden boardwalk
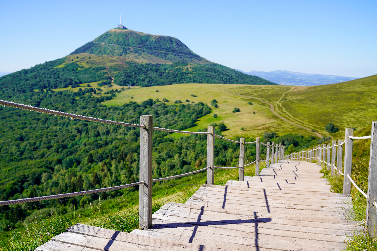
288	207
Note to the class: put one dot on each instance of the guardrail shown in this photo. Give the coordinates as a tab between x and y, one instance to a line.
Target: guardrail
327	155
146	146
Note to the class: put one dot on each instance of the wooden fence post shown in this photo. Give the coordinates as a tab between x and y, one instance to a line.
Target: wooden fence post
257	155
371	214
317	152
272	152
242	160
328	157
276	153
348	161
268	155
323	154
145	172
339	157
333	171
210	155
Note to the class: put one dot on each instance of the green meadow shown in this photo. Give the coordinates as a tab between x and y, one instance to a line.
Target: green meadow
280	109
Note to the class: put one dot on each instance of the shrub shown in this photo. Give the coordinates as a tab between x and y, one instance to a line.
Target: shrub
156	91
165	100
215	115
222	127
214	103
331	128
249	103
236	110
187	100
178	101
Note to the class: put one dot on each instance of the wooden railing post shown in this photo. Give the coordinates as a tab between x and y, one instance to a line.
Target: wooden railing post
319	155
242	160
210	155
145	173
257	155
371	214
348	161
339	157
268	155
323	154
328	157
333	171
272	152
276	153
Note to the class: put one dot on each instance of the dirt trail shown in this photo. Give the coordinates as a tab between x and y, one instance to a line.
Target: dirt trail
278	115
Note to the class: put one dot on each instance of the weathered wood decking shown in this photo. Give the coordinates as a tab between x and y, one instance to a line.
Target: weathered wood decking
289	207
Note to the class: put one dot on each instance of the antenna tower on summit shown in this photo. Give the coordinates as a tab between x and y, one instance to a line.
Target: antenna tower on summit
120	25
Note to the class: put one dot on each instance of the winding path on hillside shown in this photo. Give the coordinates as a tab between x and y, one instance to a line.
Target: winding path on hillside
288	207
276	112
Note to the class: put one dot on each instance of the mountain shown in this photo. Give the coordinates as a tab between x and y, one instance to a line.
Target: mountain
298	78
127	58
147	47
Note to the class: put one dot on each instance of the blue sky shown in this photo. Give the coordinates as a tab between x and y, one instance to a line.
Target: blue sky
336	37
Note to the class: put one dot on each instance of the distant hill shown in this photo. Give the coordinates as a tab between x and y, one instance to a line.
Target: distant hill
298	78
3	73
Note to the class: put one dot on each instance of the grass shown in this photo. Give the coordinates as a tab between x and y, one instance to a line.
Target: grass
296	109
255	119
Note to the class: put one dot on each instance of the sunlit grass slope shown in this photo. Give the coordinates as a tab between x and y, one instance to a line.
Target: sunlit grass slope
293	109
255	119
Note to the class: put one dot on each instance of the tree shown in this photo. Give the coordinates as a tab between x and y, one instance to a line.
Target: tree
222	127
90	158
236	110
331	128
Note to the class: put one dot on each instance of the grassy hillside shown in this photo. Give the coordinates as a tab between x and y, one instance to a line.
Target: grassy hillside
283	109
255	119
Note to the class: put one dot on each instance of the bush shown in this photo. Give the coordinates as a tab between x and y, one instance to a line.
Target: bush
215	115
214	103
165	100
249	103
178	101
236	110
222	127
331	128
